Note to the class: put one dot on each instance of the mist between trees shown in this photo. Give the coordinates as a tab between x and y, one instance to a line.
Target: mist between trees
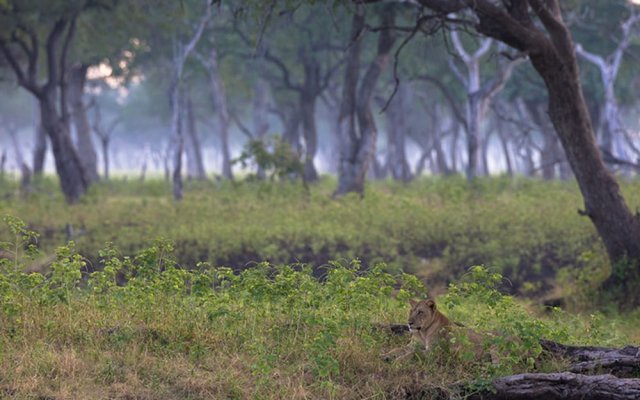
361	89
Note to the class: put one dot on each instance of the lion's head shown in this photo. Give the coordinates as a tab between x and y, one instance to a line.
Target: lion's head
422	314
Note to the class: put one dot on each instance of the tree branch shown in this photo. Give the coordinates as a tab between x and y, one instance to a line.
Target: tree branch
63	67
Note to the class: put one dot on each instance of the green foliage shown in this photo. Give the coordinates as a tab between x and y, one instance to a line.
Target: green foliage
527	230
273	330
274	156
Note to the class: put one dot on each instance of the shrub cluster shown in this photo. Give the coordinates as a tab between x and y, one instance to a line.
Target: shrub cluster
141	327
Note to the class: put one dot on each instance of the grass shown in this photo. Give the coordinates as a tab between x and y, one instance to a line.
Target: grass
270	332
148	318
526	229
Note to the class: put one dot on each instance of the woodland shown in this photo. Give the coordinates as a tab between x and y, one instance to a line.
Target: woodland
239	198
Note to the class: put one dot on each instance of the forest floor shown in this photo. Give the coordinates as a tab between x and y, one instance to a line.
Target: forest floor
144	317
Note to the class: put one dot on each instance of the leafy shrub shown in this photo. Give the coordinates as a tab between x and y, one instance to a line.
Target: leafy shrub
270	331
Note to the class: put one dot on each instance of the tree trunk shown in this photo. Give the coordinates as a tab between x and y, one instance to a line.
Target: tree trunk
308	116
104	141
260	112
359	152
604	205
72	178
473	136
84	143
550	155
25	171
347	126
396	131
219	99
3	163
195	166
178	142
291	122
504	144
39	149
486	145
562	386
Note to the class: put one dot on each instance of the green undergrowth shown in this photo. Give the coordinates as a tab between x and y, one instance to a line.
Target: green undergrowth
527	230
143	328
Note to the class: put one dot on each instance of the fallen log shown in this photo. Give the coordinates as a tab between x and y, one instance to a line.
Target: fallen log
624	362
562	385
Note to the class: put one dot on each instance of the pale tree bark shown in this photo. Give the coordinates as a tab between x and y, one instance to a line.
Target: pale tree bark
357	123
77	76
181	53
220	105
52	96
613	133
479	94
195	165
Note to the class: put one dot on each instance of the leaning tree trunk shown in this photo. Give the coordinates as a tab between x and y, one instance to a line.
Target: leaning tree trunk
86	150
361	149
68	166
604	205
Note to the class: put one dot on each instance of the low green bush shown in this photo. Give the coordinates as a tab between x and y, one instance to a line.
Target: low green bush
141	327
528	230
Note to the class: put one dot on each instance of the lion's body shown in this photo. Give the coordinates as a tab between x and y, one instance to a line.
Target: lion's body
428	326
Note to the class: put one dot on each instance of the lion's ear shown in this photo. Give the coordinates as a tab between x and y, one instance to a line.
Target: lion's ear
413	302
431	304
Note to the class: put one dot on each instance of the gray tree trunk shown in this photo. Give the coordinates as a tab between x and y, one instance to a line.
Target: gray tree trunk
219	99
613	130
178	143
84	143
308	117
479	95
195	165
70	171
359	151
396	131
260	115
39	148
25	171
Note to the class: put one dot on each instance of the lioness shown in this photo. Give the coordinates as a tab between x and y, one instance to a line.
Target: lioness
428	326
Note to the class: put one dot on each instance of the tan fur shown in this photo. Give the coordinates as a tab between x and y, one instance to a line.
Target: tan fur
429	326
